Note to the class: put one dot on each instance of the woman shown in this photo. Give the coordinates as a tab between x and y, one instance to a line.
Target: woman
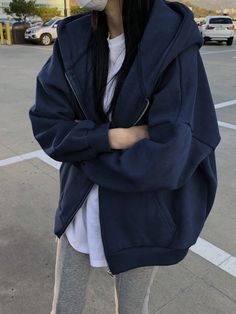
124	103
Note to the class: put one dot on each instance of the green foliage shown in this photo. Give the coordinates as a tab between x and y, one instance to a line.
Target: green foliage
21	8
46	13
75	9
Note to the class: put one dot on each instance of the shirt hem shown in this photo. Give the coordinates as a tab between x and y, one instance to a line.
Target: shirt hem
93	262
80	249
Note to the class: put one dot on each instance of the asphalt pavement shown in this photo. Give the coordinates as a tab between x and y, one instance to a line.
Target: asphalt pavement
204	282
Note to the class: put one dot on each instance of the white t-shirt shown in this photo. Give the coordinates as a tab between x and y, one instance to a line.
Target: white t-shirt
83	232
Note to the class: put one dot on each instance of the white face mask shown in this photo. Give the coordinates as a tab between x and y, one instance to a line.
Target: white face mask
98	5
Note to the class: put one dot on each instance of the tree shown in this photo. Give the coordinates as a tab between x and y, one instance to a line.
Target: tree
21	8
75	9
46	13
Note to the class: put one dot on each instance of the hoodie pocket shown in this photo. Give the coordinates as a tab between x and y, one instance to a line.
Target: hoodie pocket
165	225
165	213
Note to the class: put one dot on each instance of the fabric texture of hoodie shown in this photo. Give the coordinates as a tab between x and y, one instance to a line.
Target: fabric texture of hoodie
155	196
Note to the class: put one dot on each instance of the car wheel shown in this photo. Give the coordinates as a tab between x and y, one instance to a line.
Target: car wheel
230	41
45	39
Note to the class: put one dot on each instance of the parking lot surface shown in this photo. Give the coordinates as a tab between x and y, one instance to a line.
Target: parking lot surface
204	282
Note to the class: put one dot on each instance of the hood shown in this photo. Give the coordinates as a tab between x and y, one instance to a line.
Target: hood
170	29
32	28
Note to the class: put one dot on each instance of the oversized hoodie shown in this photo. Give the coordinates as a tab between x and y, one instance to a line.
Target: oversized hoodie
155	196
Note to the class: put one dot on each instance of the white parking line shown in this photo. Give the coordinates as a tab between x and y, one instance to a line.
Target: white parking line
44	157
226	104
219	51
222	105
215	255
227	125
13	160
35	154
203	248
229	265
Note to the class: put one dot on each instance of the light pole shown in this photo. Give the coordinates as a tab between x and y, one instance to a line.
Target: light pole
67	8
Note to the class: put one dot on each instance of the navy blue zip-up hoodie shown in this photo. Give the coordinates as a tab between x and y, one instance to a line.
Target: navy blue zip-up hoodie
155	196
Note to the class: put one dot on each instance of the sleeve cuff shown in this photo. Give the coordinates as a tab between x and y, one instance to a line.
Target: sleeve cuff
98	139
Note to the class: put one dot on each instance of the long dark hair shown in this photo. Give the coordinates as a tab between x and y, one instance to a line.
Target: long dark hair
135	15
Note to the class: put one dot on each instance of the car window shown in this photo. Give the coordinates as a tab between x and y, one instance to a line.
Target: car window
48	23
220	20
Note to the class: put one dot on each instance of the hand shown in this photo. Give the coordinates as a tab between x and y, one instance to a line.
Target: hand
139	132
122	138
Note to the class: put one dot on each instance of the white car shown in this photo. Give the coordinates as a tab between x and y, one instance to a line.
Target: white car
218	28
44	34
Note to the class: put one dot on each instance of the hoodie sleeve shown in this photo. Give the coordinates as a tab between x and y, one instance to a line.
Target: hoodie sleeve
52	117
183	131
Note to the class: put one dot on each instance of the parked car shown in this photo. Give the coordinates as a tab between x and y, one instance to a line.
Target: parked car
36	23
218	28
44	34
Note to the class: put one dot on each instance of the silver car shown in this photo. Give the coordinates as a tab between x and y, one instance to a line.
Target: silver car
219	28
44	34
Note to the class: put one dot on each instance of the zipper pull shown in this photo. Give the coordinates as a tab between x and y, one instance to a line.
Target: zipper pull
110	273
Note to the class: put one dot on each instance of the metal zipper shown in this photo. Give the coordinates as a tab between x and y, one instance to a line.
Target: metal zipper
71	218
83	200
80	205
148	102
110	273
144	110
99	203
76	96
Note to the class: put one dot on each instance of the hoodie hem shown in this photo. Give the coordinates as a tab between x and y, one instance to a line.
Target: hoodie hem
144	256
